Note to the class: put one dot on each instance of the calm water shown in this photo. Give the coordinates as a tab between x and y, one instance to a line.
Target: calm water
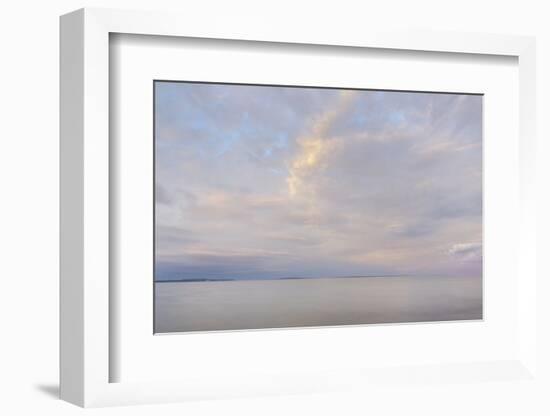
207	306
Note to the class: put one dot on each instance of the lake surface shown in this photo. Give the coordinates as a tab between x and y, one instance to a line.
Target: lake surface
254	304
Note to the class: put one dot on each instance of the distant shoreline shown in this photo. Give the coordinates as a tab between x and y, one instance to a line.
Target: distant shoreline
288	278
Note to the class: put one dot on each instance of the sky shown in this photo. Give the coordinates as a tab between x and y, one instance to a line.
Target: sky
263	182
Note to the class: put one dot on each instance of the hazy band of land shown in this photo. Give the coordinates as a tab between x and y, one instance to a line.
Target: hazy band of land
252	304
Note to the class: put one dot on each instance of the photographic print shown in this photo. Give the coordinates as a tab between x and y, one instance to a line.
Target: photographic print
288	206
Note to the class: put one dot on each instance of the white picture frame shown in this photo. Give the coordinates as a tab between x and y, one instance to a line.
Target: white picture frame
86	331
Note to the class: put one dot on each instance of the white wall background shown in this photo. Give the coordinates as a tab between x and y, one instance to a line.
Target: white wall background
29	206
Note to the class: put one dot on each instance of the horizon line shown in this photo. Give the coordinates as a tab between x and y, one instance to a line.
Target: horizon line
221	279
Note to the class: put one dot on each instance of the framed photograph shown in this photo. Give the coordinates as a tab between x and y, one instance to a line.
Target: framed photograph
260	211
289	206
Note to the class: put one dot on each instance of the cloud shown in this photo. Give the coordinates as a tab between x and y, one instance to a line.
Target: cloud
161	195
466	251
264	181
315	146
